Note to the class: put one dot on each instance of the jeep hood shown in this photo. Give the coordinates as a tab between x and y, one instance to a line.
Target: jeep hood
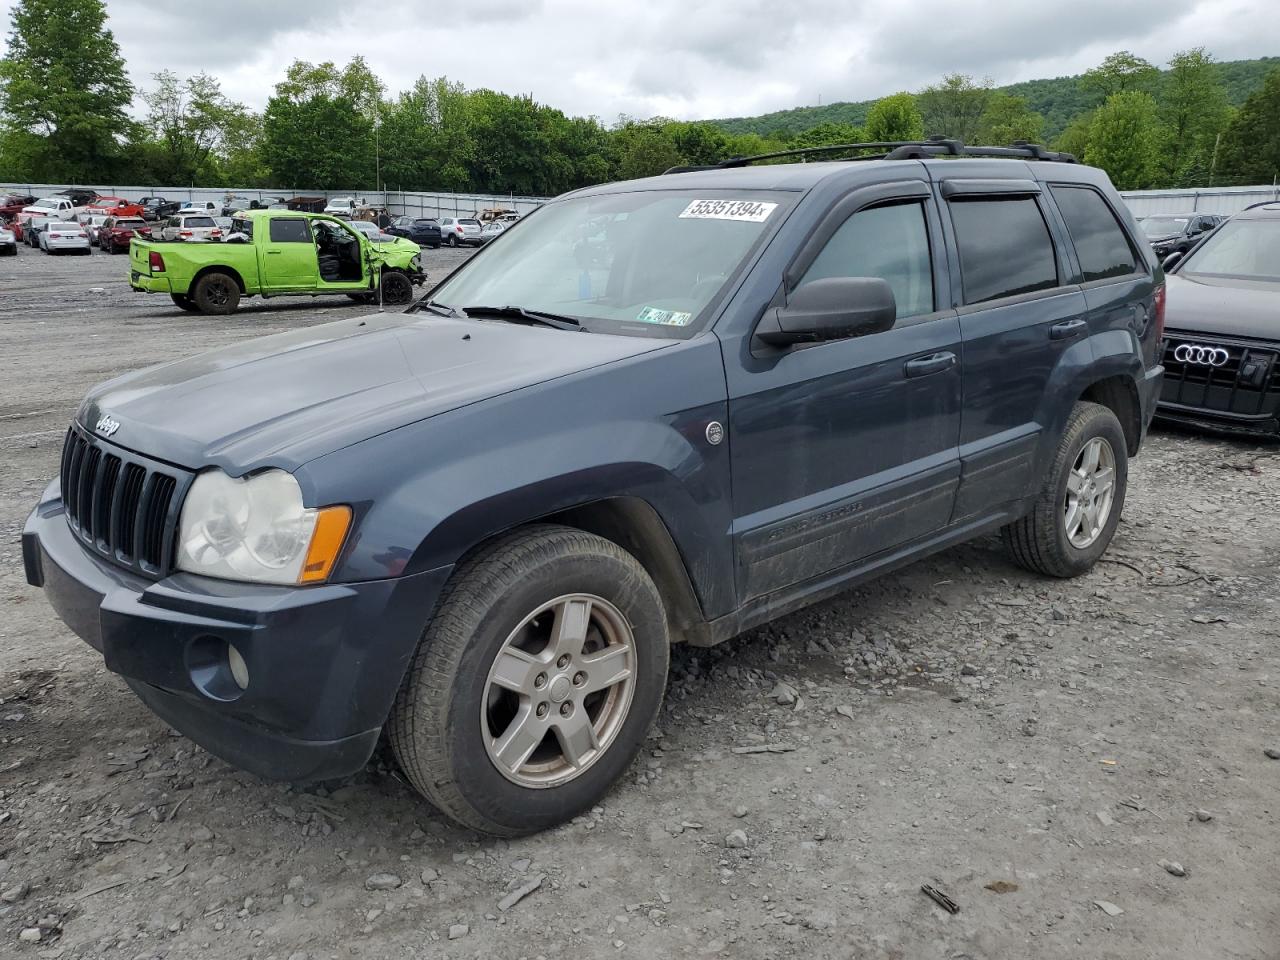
286	399
1198	303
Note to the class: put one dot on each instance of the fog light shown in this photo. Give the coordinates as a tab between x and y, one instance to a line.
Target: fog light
239	669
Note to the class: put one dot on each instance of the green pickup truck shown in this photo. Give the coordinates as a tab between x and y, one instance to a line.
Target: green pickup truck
276	253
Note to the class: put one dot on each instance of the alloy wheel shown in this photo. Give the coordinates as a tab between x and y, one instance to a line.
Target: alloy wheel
1091	489
558	691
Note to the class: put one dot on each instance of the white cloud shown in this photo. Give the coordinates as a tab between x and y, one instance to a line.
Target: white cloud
714	58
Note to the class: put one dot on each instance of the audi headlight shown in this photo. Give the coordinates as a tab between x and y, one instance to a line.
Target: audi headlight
256	528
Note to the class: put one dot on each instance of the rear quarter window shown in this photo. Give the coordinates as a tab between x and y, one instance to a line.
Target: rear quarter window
1101	244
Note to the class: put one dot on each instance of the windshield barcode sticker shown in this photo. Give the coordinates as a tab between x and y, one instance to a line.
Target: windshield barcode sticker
752	211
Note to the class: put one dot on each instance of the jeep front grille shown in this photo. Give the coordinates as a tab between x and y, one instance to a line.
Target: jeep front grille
122	506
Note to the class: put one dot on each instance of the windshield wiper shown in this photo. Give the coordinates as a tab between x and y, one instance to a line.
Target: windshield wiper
520	314
439	309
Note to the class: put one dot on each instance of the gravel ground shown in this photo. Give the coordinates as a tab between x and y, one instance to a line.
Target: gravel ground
1051	755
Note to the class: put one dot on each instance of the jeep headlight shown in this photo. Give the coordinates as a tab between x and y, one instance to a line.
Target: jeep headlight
256	528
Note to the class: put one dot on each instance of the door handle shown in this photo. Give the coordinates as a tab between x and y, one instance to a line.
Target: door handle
934	363
1067	329
274	253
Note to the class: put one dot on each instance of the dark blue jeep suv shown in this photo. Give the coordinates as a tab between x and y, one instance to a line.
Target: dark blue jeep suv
651	412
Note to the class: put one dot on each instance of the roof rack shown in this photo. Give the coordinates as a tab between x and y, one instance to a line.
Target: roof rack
898	150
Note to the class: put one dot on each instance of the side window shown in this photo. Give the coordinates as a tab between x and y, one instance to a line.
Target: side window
289	230
1005	248
1101	244
890	242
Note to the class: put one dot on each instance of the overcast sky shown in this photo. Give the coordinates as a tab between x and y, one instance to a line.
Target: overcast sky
690	59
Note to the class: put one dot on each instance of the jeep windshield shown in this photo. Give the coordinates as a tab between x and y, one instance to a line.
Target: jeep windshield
1239	249
647	263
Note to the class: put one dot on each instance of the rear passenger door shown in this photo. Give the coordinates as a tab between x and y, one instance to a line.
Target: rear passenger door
1020	313
1112	274
844	450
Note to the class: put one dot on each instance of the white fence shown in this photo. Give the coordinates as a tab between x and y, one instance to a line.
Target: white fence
398	202
1219	200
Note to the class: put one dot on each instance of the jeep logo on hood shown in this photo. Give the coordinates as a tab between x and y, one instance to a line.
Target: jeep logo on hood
106	426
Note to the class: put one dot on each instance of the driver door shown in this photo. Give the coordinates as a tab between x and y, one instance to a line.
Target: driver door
350	247
288	256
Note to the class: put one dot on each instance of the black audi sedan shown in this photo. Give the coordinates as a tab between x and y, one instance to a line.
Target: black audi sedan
1222	342
1170	233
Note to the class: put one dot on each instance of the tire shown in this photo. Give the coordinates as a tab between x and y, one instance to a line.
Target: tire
183	301
1041	540
438	732
452	240
397	288
216	293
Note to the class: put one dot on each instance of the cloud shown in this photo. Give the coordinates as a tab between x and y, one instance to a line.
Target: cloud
713	58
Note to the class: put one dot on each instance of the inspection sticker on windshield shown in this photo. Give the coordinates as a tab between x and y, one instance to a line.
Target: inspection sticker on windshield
668	318
751	211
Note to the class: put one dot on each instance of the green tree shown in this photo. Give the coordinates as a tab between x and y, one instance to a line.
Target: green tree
1008	118
426	137
1250	149
63	81
1193	106
1118	73
829	134
318	131
1124	140
192	126
895	117
1075	138
642	149
698	143
954	107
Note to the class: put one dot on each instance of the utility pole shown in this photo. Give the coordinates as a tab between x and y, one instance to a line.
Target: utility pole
1213	164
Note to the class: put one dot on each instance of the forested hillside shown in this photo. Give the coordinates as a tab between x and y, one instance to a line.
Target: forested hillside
1058	100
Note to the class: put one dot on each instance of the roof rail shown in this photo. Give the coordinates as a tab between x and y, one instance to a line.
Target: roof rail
898	150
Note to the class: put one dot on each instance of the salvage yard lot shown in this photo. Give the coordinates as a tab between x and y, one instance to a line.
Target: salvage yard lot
1028	746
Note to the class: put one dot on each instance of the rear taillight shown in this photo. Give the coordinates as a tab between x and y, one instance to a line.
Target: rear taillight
156	262
1158	310
185	233
215	233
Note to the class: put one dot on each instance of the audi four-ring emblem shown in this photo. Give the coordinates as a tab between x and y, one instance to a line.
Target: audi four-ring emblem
1201	356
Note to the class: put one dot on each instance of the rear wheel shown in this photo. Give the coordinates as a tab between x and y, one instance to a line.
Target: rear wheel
1078	509
216	293
536	681
396	288
183	301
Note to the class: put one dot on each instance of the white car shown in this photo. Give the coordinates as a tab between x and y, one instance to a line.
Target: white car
91	222
459	230
208	207
492	230
190	226
64	237
8	242
345	205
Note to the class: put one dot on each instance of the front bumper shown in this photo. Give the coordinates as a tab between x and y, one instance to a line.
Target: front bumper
324	662
1217	421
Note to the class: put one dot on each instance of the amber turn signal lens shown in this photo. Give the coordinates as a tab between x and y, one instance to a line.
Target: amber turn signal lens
326	544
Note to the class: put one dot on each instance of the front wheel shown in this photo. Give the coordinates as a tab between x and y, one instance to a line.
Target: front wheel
1078	509
396	288
535	683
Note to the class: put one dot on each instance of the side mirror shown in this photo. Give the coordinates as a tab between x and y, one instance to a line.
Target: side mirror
834	308
1172	260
